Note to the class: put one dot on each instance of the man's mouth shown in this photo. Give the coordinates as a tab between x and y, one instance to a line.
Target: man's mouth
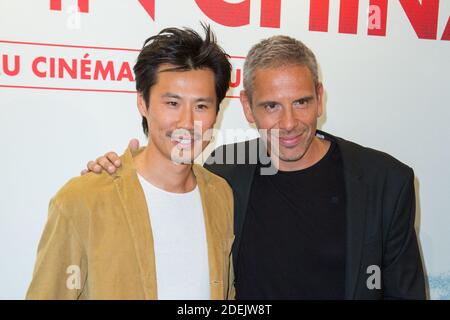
184	142
290	141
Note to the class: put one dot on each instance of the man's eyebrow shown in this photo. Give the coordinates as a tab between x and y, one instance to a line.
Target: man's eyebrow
307	98
202	99
176	96
267	102
264	103
171	95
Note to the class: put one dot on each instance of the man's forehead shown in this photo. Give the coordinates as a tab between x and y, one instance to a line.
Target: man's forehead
283	76
171	73
168	67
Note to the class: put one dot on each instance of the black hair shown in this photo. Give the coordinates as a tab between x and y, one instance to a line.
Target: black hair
186	50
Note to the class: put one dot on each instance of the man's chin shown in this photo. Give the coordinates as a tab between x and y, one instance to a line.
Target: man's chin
182	160
290	159
185	157
291	156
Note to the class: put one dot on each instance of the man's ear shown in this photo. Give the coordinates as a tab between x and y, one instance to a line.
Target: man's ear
319	93
246	104
142	107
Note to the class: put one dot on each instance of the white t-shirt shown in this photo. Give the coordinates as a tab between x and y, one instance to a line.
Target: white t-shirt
181	253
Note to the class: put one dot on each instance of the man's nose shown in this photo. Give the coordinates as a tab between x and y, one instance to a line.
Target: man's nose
287	121
186	120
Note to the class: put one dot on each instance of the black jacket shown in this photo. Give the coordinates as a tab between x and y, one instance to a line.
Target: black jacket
380	215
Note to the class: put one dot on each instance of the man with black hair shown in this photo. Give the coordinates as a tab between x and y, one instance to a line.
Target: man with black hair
161	227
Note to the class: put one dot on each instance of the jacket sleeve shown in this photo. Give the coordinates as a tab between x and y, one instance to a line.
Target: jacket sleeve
60	269
403	276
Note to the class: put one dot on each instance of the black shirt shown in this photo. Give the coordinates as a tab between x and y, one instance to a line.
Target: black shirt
293	239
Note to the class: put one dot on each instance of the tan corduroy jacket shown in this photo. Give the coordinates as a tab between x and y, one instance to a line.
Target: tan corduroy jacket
98	241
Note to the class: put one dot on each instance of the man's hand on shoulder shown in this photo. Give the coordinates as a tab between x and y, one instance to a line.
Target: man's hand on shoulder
110	161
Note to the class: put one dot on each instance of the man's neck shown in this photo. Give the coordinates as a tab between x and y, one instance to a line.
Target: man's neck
164	173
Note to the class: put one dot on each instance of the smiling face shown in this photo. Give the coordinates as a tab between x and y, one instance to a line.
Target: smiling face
182	107
286	102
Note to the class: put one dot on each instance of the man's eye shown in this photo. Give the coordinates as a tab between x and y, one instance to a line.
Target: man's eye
270	107
172	103
301	102
202	107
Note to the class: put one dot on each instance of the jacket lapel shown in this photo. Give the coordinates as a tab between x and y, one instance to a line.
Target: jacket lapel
133	200
356	218
356	199
243	175
213	235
